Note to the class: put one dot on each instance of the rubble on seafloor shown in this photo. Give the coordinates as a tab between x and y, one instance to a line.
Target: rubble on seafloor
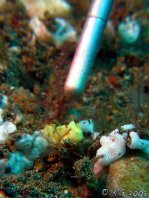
51	146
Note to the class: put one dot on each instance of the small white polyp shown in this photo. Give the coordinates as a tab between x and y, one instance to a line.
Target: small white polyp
138	143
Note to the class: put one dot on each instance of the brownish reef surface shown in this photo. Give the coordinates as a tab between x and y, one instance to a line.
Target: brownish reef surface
32	75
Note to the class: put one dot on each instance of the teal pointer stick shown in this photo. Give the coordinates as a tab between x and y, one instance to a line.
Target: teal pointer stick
89	45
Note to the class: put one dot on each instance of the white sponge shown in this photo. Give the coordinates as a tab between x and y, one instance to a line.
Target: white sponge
113	147
5	129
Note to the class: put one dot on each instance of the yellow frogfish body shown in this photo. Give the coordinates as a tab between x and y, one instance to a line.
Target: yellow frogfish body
62	133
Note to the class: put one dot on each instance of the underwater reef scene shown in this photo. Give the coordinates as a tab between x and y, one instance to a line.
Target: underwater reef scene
95	144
